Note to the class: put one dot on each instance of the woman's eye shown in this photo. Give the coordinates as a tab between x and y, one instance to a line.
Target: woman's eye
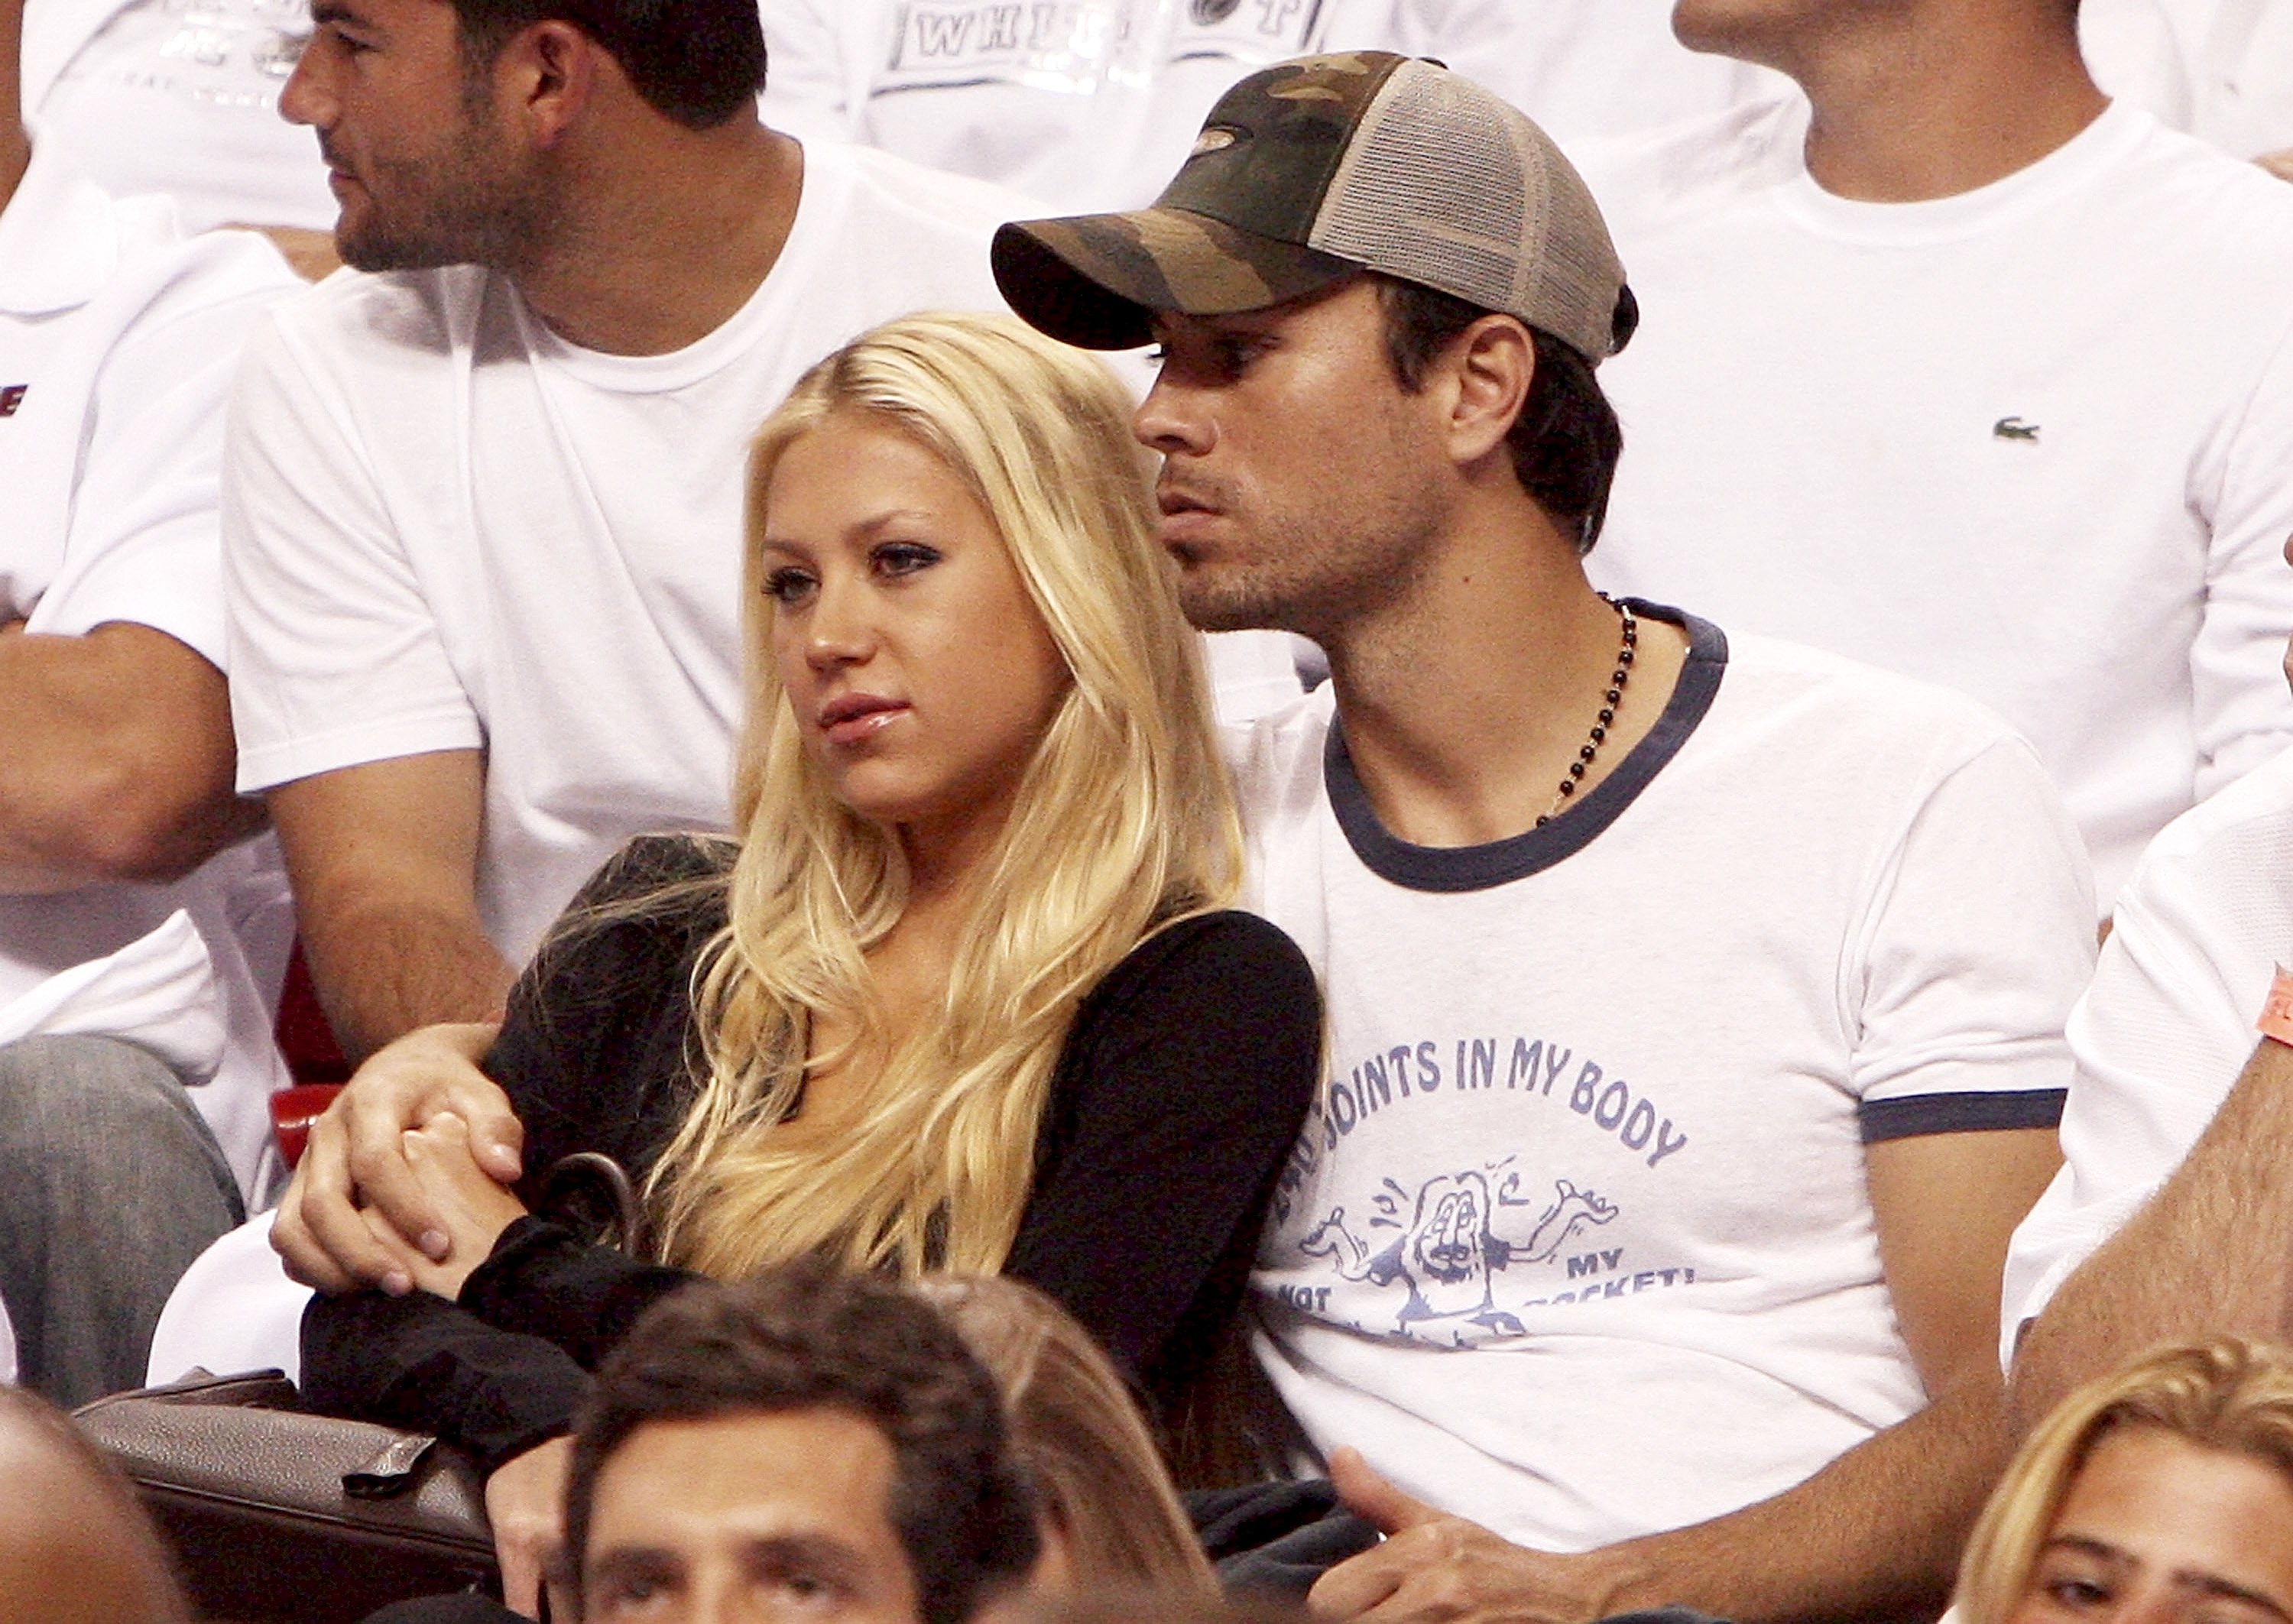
904	557
789	586
2078	1592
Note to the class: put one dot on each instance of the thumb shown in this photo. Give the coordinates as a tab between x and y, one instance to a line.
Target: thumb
497	1139
1368	1496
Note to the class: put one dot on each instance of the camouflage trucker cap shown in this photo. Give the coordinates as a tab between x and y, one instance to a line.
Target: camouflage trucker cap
1315	169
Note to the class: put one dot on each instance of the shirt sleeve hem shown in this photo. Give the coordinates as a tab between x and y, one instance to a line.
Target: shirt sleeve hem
1916	1115
266	766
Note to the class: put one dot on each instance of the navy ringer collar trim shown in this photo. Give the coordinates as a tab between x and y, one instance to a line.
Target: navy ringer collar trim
1500	861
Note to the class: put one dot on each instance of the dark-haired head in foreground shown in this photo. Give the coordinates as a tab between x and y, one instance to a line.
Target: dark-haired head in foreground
816	1436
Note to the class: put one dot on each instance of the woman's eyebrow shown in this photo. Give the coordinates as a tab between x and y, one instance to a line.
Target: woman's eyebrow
2215	1585
2090	1545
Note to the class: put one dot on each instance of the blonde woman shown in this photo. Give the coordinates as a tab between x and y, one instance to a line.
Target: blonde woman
1108	1513
2162	1492
963	996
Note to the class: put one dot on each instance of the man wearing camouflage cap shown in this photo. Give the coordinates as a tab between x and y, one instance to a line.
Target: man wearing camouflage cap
1695	1003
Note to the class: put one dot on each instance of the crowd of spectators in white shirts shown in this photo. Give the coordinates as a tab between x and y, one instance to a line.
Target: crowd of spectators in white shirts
380	613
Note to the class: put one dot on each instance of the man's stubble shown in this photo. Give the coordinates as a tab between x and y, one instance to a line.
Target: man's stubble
476	201
1327	573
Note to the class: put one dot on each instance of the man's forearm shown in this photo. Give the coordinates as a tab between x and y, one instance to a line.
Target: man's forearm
31	865
2212	1252
1874	1535
384	856
116	760
384	970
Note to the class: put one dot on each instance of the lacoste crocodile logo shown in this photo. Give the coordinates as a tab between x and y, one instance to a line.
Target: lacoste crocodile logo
12	396
2013	428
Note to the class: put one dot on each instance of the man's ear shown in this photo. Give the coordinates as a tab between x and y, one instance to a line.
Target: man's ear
1491	366
548	74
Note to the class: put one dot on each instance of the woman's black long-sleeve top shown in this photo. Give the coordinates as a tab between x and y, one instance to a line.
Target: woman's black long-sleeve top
1177	1097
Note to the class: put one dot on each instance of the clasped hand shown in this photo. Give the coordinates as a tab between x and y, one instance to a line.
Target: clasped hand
1436	1567
356	1168
468	1205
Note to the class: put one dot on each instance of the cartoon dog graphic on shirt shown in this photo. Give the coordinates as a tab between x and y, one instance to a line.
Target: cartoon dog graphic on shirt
1449	1253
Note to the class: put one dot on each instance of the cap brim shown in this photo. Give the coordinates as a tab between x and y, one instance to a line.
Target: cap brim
1097	280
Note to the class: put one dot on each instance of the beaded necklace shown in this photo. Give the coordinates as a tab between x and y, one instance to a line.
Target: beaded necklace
1607	716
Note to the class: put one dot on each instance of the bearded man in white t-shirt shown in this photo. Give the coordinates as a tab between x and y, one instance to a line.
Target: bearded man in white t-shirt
2172	1216
2008	375
117	337
1695	1002
483	502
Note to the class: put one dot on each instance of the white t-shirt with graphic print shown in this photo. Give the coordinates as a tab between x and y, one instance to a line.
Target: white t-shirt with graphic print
1092	104
182	97
1577	1241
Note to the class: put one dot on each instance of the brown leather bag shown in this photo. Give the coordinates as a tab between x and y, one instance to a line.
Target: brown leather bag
278	1516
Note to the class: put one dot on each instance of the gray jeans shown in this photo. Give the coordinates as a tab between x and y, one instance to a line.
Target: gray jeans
110	1185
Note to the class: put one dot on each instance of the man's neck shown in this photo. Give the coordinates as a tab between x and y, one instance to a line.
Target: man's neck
1911	105
1465	702
667	245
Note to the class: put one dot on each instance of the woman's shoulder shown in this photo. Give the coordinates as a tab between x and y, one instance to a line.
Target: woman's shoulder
1215	1018
1222	935
1240	962
593	1045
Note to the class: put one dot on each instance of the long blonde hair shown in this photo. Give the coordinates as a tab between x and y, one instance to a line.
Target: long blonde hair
1078	1432
2223	1392
1122	822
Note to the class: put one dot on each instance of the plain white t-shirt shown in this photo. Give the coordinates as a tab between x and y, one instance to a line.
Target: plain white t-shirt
2241	78
180	97
1575	1242
2222	69
2034	442
1092	104
118	341
2166	1027
449	528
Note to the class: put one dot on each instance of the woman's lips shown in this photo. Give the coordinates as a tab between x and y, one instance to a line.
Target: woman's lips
857	716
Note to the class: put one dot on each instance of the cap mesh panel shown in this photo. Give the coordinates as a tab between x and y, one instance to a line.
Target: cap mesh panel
1448	185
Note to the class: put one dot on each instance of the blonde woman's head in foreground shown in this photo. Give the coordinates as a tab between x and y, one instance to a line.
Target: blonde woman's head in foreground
963	643
1111	1518
2163	1492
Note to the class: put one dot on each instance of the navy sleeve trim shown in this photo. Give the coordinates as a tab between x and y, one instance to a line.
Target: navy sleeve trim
1916	1114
